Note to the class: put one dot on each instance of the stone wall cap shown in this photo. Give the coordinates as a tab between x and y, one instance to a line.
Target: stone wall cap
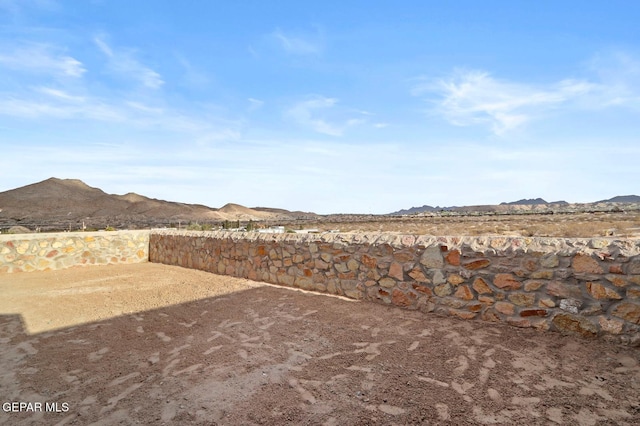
485	244
77	234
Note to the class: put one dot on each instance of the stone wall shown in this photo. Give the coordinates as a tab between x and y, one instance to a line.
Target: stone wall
44	251
589	287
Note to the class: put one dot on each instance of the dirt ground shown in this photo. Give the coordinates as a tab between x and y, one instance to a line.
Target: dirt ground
154	344
601	224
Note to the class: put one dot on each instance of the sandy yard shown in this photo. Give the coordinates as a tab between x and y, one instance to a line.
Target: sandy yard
156	344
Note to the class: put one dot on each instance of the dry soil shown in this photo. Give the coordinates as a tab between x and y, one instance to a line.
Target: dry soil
154	344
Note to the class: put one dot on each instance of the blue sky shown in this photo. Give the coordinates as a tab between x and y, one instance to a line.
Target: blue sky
332	107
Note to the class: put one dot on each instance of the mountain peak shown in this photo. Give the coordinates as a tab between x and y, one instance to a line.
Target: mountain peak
525	202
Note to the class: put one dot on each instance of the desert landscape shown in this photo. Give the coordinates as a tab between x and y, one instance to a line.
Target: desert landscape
151	343
319	213
72	205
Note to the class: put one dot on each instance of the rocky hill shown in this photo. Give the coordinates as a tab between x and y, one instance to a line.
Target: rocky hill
67	203
622	199
534	205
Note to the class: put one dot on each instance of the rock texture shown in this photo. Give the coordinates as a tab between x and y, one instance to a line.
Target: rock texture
585	287
43	252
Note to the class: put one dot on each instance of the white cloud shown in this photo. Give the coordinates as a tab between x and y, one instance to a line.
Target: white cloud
45	103
41	58
60	108
303	113
255	104
60	94
297	45
322	115
475	97
145	108
124	64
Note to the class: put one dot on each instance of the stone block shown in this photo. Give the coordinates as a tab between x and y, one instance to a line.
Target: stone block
490	315
351	289
522	299
611	326
455	279
422	289
462	314
591	309
598	291
481	286
486	300
530	264
616	280
402	299
545	274
633	267
326	257
474	306
368	261
453	303
464	292
585	264
320	264
353	265
438	277
432	258
573	324
534	313
387	282
533	285
549	261
403	256
570	305
442	290
616	268
628	312
395	271
453	258
556	288
287	280
547	303
417	274
476	264
506	281
341	267
504	308
633	292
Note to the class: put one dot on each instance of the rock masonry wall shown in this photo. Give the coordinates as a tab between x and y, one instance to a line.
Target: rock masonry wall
589	287
47	251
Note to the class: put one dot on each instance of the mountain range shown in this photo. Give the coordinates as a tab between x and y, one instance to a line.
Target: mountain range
529	205
55	202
